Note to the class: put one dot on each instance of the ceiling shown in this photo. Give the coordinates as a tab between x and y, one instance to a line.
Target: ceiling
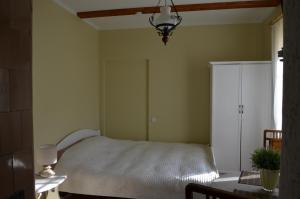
231	16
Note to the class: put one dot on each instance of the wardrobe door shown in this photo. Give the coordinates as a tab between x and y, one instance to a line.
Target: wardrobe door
256	99
225	116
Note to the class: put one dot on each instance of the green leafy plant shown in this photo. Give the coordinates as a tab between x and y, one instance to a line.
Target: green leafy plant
266	159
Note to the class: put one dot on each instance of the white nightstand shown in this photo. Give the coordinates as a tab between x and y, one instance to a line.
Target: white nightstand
43	185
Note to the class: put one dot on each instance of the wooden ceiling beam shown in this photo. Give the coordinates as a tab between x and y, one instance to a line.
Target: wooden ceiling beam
181	8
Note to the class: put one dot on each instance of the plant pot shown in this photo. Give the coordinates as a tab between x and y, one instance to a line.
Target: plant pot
269	179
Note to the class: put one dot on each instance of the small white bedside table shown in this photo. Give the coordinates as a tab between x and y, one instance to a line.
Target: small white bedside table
43	185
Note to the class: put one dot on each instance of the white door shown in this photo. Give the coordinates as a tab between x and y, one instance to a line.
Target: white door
256	98
126	99
225	116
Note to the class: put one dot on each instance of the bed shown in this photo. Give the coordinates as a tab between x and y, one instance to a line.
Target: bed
100	166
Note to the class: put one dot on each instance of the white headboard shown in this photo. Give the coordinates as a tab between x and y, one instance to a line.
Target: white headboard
76	136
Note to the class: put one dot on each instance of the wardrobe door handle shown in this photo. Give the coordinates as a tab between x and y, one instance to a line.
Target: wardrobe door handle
241	109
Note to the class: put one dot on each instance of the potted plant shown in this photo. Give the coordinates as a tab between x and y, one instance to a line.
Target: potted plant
268	162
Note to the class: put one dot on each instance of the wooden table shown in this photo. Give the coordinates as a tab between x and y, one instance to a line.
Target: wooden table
228	181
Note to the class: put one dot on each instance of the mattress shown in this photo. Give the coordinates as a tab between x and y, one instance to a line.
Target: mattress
134	169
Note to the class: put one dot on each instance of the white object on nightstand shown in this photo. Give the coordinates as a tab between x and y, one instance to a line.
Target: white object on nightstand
43	185
47	155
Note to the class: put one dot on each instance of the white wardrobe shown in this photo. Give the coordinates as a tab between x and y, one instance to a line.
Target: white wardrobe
241	100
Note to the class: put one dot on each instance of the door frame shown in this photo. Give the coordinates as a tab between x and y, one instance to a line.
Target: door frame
102	97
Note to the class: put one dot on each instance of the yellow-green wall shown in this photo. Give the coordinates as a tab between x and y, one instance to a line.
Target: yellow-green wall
277	14
65	73
179	78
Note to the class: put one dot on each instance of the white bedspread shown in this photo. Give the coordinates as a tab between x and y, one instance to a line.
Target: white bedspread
142	170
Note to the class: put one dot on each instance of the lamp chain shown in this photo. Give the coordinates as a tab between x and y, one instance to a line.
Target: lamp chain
173	5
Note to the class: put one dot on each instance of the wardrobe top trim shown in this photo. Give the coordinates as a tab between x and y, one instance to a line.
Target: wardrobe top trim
238	62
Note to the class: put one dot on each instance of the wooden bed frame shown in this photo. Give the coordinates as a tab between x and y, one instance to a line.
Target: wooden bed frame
73	138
